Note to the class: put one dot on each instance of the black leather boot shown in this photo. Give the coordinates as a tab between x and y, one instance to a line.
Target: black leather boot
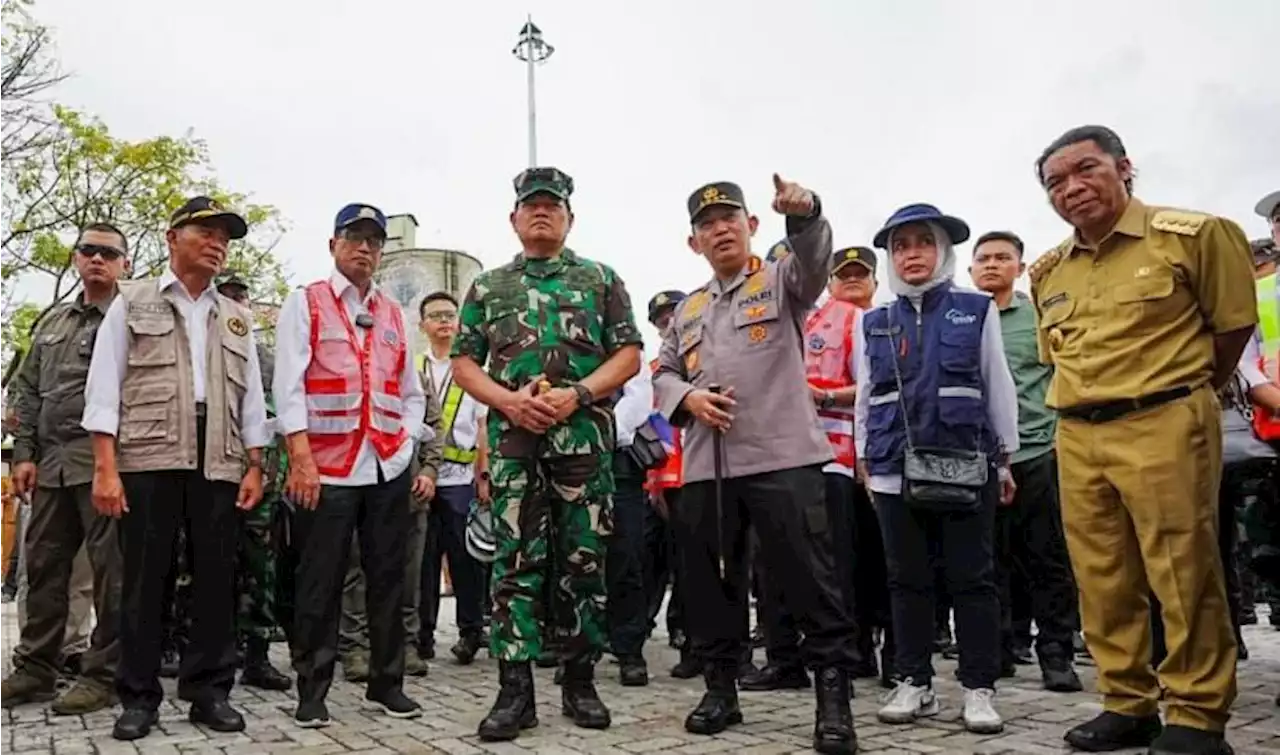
258	671
688	667
515	708
833	721
578	697
718	709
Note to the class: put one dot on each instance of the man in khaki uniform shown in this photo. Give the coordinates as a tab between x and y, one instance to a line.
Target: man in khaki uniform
742	331
54	461
175	404
1144	312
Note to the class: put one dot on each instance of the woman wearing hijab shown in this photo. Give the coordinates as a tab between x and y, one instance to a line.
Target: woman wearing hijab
935	422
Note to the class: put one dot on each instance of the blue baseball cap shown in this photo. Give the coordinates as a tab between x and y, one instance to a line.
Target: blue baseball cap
354	213
957	230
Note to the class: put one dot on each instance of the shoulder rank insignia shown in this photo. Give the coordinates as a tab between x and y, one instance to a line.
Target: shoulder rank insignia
1046	261
1181	222
694	304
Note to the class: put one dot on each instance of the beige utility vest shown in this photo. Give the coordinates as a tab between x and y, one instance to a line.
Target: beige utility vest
157	398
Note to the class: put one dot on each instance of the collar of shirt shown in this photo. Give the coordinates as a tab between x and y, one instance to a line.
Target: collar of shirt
80	305
339	283
1132	223
168	278
1017	301
544	267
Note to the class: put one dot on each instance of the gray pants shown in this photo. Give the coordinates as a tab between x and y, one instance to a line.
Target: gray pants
80	614
353	630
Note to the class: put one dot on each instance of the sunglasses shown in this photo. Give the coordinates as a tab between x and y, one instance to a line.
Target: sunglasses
107	253
373	237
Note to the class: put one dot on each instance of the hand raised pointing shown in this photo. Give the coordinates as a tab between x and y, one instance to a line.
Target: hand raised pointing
791	198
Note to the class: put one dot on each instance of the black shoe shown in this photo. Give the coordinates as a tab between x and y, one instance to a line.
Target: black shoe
395	704
677	639
464	651
1183	740
71	666
687	668
1022	655
773	677
427	652
134	723
579	699
515	707
633	671
258	671
1111	731
314	715
718	709
1058	674
217	715
1248	616
833	721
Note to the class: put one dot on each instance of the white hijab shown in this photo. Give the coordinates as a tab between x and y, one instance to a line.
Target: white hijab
943	272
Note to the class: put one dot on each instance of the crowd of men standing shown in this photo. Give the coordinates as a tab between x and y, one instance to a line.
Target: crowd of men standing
864	471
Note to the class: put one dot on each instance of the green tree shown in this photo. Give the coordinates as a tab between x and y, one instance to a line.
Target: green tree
85	174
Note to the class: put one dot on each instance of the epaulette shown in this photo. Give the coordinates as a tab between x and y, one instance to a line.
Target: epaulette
1181	222
1047	260
692	304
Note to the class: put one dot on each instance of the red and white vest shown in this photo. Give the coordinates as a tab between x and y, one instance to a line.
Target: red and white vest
828	335
670	474
353	381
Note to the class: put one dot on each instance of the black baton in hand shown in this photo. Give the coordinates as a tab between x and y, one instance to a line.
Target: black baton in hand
717	448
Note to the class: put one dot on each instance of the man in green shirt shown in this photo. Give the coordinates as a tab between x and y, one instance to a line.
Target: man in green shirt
1029	535
560	338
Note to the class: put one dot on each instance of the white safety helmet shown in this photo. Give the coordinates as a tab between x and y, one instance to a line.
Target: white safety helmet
480	541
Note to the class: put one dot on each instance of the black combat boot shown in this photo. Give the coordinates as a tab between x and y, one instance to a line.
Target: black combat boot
718	709
464	651
1056	669
833	721
515	708
258	671
578	698
688	667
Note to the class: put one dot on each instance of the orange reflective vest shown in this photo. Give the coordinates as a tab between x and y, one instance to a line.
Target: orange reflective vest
353	383
670	474
1267	335
828	347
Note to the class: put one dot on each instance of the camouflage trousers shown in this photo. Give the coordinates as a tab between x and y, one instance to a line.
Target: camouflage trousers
255	579
535	501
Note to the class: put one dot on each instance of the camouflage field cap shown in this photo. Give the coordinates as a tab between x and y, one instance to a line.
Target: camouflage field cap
548	180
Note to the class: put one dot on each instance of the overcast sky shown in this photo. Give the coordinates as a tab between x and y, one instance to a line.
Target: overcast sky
419	107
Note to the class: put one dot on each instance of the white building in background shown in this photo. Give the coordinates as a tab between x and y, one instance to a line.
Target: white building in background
408	273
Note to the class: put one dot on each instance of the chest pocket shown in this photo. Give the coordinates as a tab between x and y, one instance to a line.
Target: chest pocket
756	319
154	343
958	351
52	359
1144	304
576	321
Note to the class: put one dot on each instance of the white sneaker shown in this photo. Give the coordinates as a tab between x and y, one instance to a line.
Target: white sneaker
907	702
980	716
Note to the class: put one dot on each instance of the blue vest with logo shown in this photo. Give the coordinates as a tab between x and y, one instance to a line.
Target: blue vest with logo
938	350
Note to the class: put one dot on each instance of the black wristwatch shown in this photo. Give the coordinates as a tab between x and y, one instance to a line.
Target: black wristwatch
584	394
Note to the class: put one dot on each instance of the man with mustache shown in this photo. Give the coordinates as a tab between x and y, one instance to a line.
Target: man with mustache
561	340
175	405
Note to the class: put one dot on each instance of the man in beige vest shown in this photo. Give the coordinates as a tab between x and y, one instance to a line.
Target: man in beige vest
175	404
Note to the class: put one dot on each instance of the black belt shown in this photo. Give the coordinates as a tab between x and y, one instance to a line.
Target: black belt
1110	410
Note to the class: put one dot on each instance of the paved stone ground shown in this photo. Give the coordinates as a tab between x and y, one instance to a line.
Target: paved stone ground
645	720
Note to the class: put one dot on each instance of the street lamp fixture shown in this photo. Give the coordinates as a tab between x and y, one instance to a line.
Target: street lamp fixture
532	49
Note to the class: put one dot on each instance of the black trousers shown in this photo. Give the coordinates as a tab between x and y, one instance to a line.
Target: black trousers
446	537
662	565
963	542
788	509
1032	548
627	603
159	504
872	607
381	515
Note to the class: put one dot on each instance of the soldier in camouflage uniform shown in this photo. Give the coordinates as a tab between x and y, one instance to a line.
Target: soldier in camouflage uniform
563	341
256	546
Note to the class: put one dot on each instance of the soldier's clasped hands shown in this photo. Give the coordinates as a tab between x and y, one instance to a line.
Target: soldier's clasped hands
530	411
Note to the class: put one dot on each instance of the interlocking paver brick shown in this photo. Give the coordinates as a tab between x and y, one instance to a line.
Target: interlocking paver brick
646	719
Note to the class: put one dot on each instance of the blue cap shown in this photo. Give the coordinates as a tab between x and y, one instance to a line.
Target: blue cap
353	213
957	230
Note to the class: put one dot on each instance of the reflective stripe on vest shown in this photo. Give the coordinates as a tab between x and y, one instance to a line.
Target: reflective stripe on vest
449	414
353	385
1265	425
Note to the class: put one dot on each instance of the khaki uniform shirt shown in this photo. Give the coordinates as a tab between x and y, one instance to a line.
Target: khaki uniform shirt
1137	314
748	334
49	395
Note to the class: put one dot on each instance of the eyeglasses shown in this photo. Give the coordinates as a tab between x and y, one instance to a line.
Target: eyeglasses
107	253
372	237
442	316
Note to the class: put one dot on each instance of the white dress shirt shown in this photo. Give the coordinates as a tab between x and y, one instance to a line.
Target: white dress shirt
466	425
293	356
111	360
1000	394
635	406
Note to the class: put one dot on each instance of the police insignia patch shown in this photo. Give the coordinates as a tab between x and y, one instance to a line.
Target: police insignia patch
756	311
389	337
691	362
757	333
237	326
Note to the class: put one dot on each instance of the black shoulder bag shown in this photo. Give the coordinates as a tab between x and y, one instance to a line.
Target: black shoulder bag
937	479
